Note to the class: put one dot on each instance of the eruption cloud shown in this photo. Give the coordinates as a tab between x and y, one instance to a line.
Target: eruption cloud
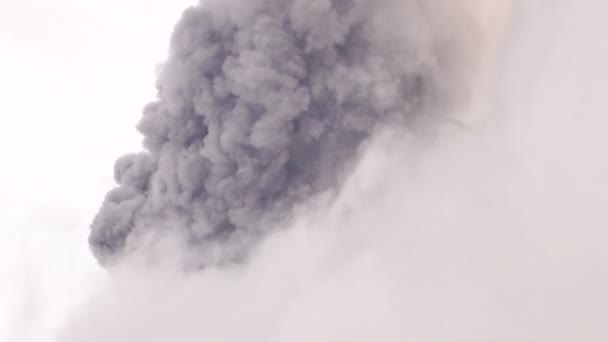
265	104
464	161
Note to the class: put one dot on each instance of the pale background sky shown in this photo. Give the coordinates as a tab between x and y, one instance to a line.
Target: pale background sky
74	77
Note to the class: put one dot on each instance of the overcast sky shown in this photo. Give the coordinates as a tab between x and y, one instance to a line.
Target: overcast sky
75	75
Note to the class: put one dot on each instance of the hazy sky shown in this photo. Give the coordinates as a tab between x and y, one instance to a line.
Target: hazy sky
75	75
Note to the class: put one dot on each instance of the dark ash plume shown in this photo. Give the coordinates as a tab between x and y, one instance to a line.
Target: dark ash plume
262	104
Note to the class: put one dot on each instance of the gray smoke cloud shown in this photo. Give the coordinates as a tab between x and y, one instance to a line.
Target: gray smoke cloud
264	104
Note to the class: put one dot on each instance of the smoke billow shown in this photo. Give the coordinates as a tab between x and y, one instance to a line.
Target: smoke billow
495	232
264	104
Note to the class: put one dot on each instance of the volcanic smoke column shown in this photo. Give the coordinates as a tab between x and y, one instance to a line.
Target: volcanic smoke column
264	103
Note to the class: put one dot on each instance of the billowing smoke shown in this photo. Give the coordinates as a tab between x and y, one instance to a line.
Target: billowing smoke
264	104
492	230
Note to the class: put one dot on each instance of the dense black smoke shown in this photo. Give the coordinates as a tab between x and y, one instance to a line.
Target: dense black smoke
265	103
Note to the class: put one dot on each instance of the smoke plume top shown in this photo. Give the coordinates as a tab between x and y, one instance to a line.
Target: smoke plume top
264	104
